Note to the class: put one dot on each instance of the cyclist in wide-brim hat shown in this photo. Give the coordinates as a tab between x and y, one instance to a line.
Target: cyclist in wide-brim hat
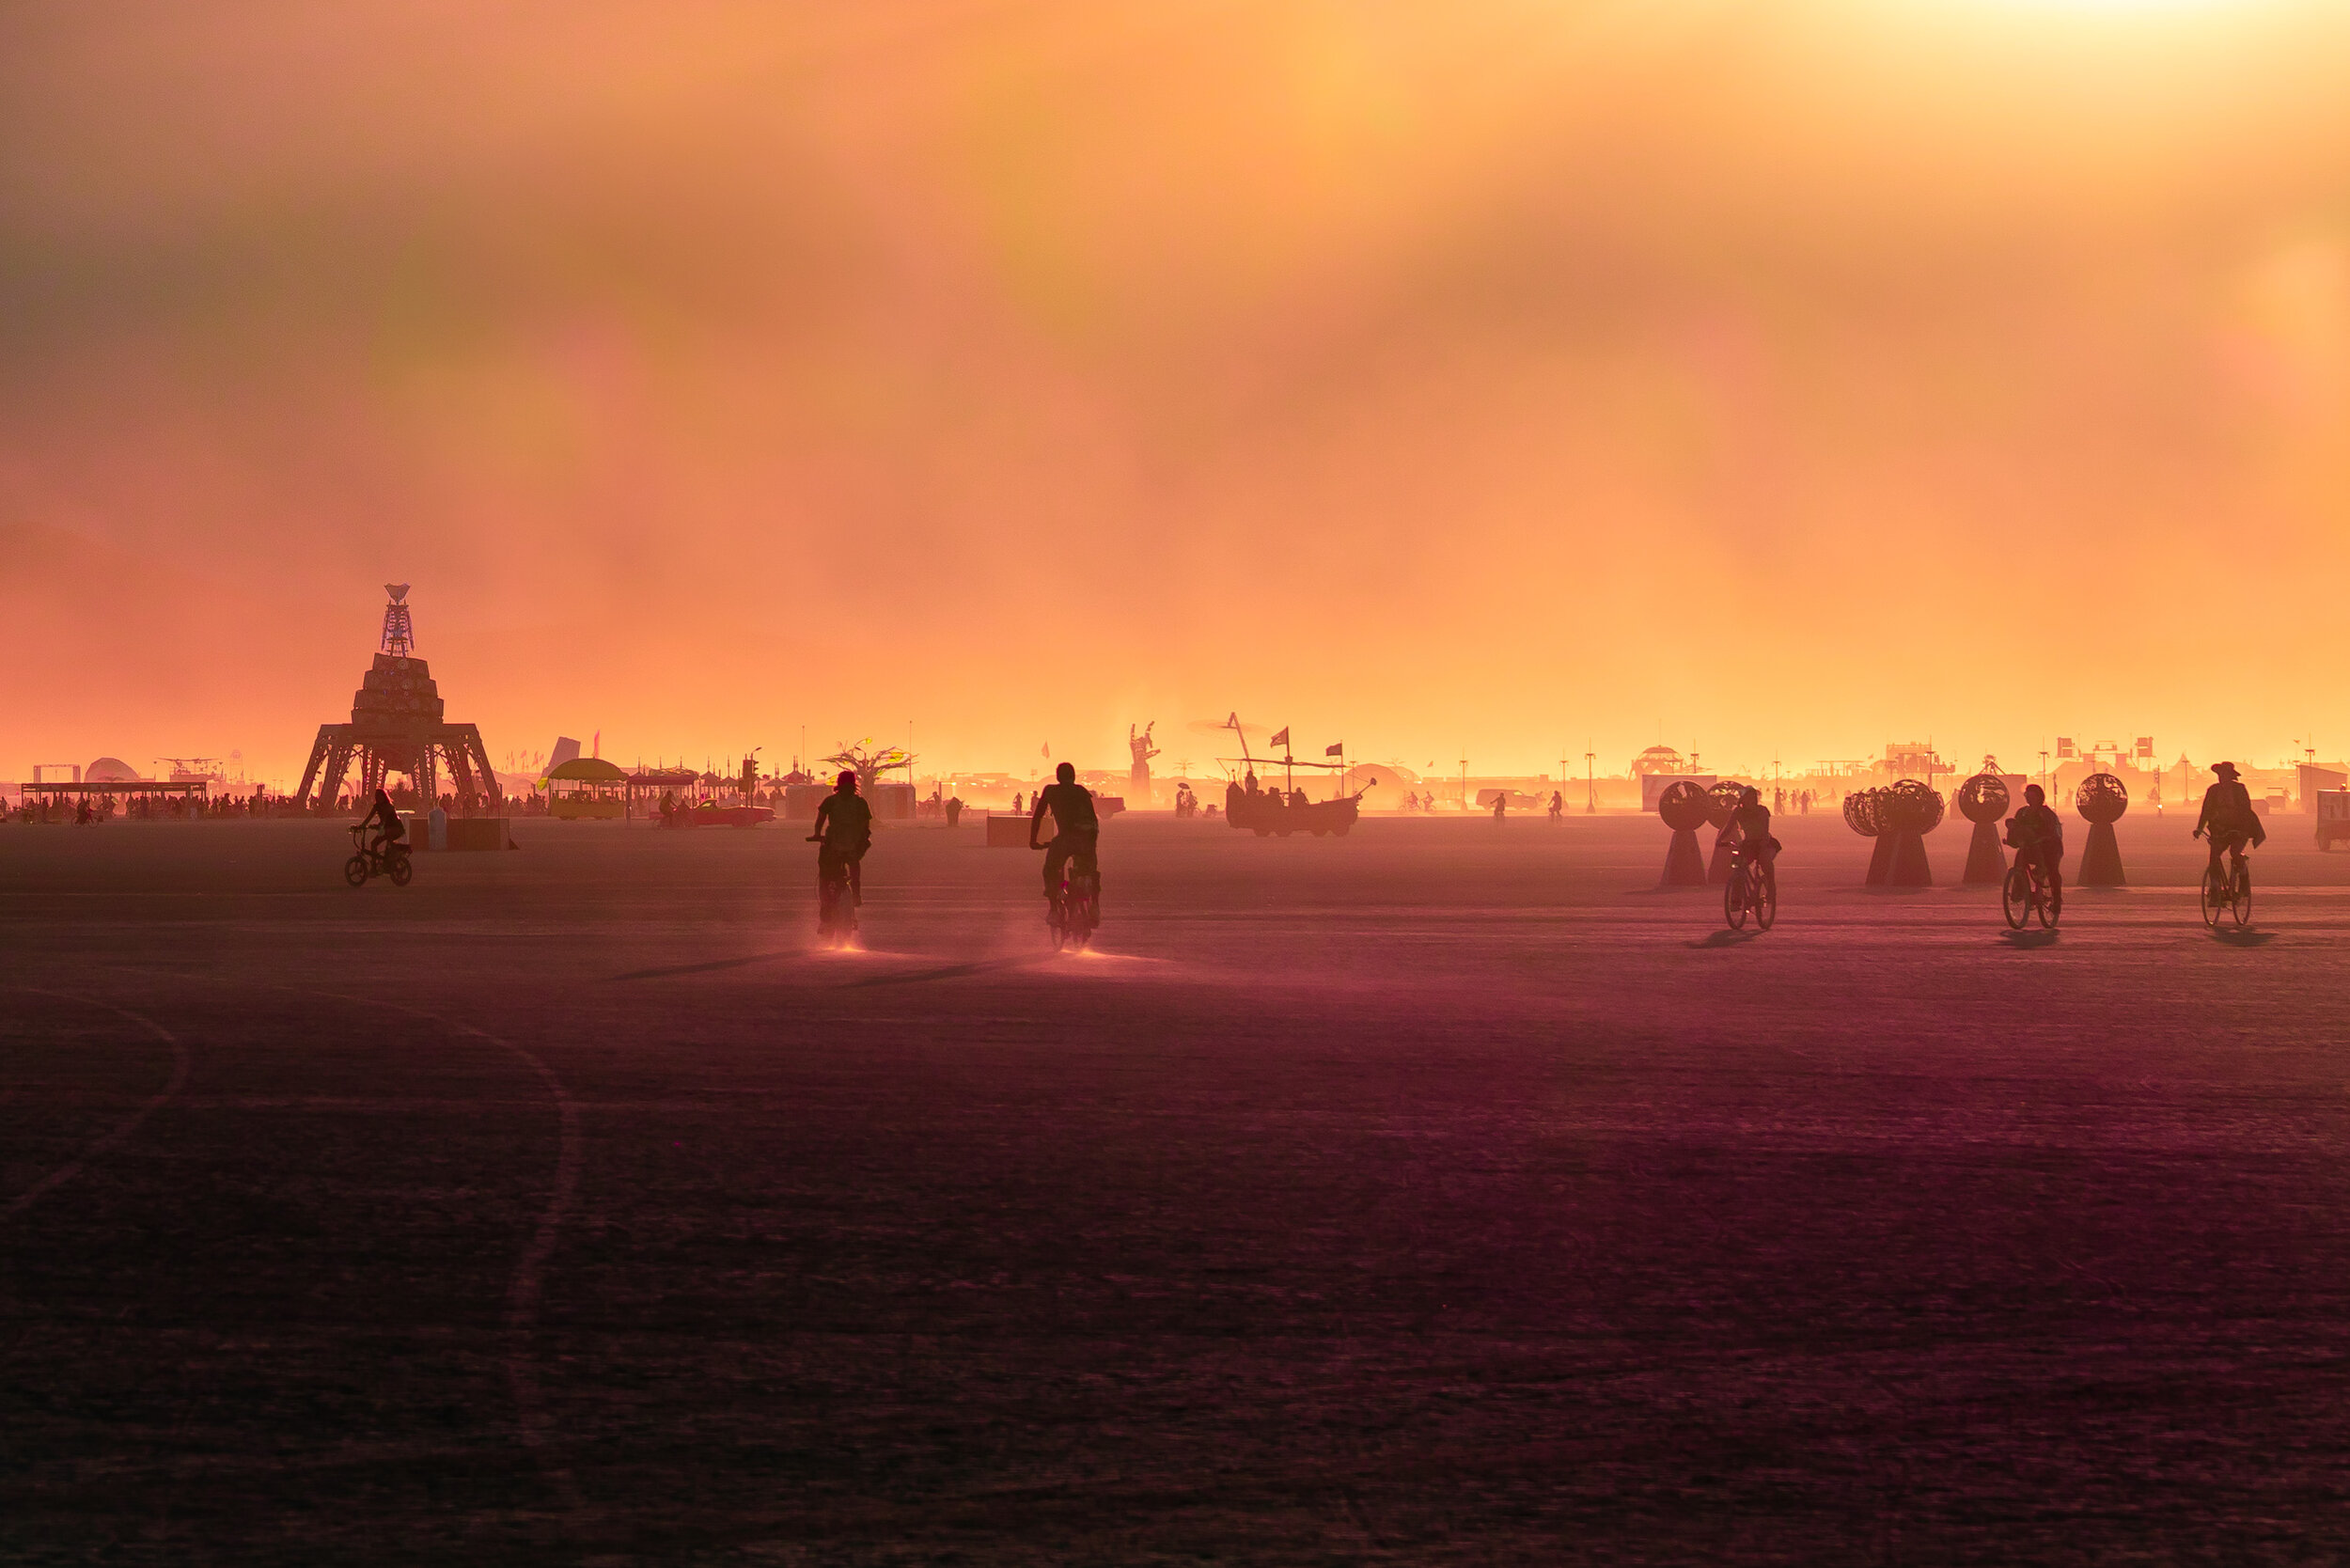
2228	819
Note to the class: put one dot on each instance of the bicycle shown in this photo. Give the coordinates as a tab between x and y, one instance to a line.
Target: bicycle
1075	910
382	858
2025	895
837	896
1752	889
2228	892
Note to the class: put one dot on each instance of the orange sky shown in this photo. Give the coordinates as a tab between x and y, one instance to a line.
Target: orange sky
1778	378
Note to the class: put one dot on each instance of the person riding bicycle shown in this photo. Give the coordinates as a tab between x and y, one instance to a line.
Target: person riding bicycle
1075	830
385	818
1749	828
844	831
2036	834
2228	819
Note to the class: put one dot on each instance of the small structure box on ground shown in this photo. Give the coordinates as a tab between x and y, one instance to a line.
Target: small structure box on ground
2333	818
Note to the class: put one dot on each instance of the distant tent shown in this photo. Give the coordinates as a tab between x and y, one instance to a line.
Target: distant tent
110	770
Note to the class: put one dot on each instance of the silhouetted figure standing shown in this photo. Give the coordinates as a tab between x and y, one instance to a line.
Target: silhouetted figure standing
1558	806
1501	803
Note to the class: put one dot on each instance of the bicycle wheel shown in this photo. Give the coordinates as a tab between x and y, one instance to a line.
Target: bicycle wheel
2210	896
1735	900
2045	902
355	870
1765	903
2016	898
400	868
2242	904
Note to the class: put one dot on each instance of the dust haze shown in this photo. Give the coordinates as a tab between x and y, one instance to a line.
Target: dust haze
1496	377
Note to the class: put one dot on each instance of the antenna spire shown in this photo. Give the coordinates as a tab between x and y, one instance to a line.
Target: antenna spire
400	633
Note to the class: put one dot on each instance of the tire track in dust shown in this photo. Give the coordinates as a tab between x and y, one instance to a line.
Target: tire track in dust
524	1287
74	1167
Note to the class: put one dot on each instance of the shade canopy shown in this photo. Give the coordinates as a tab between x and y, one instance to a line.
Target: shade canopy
589	770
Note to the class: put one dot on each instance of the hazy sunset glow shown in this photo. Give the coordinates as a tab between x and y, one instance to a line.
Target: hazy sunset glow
1489	379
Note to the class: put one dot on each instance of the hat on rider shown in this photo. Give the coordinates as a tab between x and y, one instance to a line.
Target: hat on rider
2225	770
1750	795
846	783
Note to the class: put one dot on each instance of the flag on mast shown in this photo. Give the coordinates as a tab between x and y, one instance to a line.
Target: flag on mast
1337	750
1282	739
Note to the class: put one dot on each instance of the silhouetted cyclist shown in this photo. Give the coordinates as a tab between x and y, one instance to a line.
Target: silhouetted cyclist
844	825
1077	830
1750	828
2228	819
385	818
2036	834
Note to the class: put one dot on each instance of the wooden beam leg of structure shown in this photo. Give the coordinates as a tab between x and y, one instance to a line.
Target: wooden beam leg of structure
320	749
485	775
337	764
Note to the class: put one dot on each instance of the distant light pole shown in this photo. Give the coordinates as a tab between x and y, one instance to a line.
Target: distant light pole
1590	786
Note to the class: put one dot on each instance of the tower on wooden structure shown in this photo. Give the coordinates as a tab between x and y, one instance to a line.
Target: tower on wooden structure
397	726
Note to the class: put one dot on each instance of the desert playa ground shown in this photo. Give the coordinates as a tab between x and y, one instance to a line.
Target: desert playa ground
1443	1194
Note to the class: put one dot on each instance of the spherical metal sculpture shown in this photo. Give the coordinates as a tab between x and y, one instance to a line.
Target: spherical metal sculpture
1983	800
1898	816
1721	800
1860	812
1685	807
1912	806
2101	799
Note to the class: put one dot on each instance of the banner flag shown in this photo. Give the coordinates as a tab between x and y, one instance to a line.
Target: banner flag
1282	739
1337	750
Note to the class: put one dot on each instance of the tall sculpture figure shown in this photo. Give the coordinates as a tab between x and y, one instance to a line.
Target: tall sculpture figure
1684	808
1138	776
397	727
1982	800
2101	799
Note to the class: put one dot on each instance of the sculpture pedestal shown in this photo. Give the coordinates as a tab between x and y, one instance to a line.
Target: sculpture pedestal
1717	868
1907	866
1986	862
1880	861
2101	861
1685	863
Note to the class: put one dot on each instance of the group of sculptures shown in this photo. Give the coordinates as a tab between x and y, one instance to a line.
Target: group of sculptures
1899	816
